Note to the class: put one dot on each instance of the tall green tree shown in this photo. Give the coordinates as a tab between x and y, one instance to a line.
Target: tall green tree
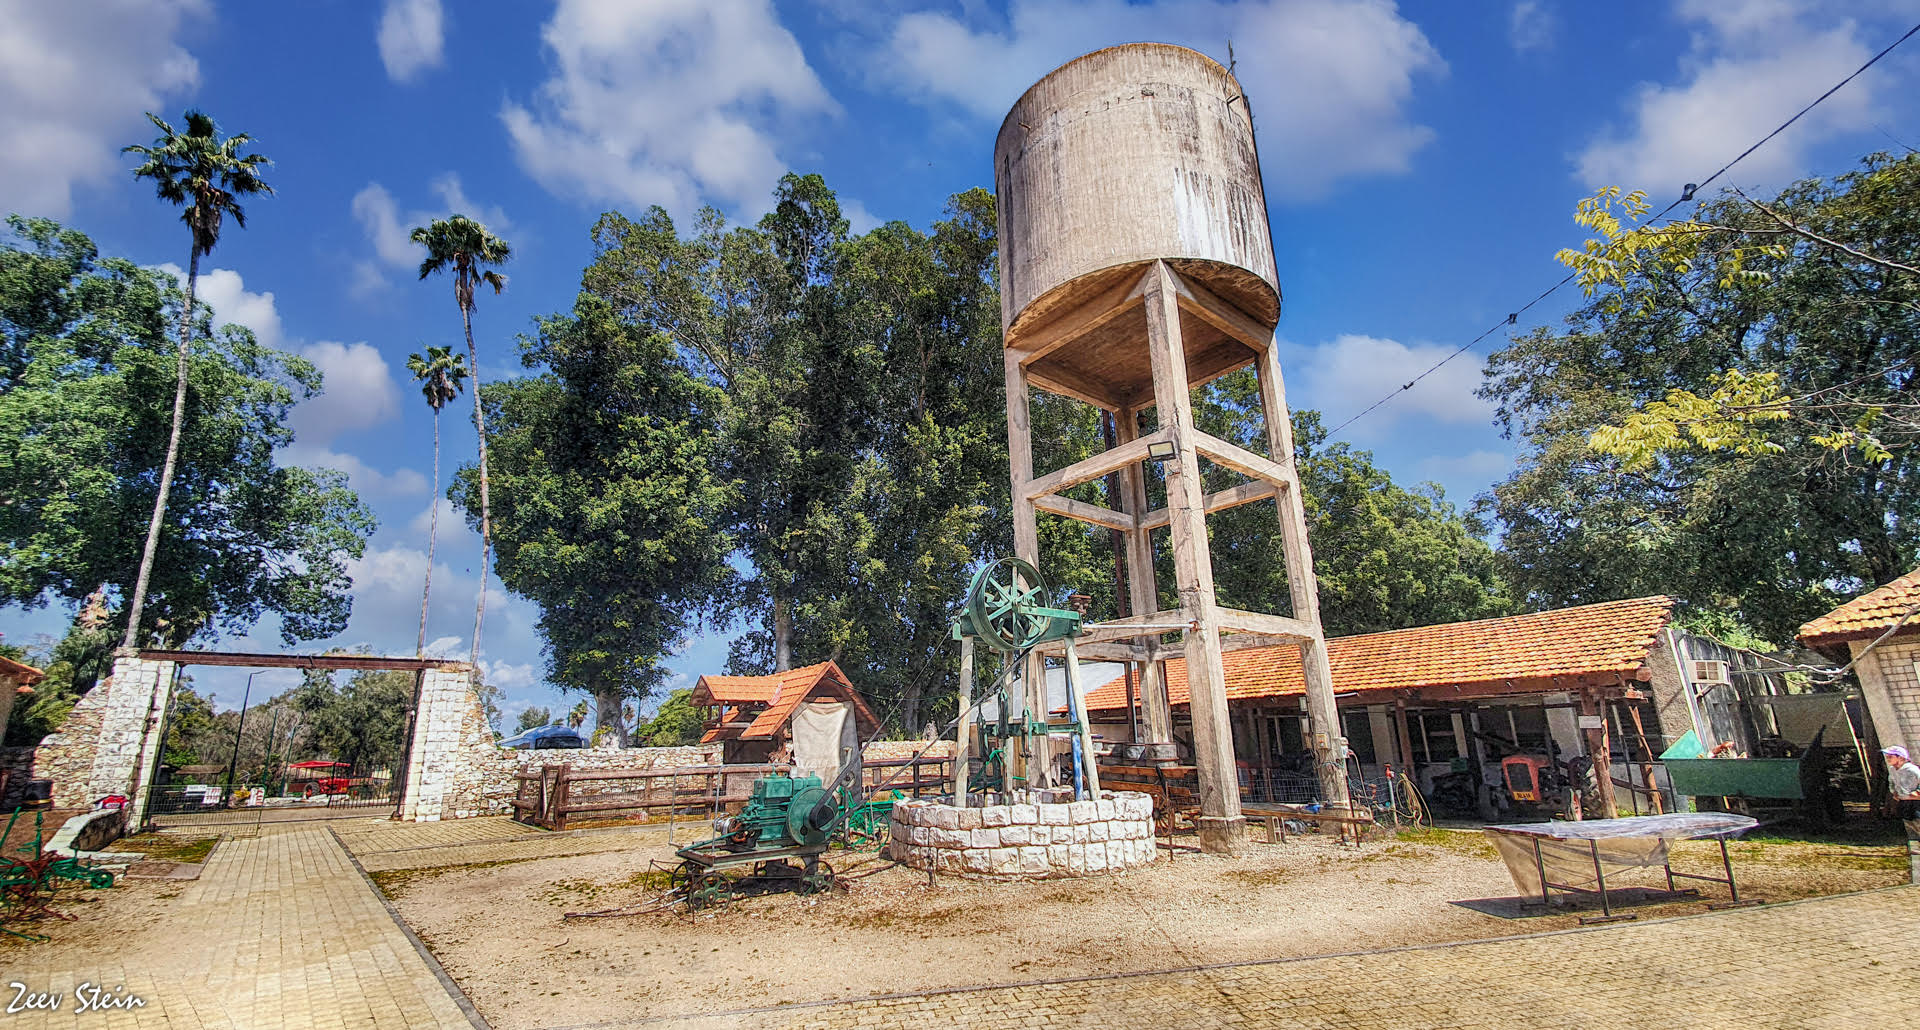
609	516
532	718
207	175
465	247
1775	535
441	375
86	388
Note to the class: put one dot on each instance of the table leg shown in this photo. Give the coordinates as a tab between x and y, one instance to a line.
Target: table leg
1605	910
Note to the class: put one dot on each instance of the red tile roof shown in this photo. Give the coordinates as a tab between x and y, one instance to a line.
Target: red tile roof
1613	638
1868	615
23	673
781	692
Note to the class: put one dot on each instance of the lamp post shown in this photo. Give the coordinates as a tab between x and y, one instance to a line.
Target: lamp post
234	761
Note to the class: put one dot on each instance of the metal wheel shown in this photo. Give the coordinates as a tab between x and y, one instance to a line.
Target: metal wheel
817	880
997	600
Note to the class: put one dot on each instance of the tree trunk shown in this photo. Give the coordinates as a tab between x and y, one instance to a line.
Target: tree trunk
607	713
782	633
152	547
433	532
486	508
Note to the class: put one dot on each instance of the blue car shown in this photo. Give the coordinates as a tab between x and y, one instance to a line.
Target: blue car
541	738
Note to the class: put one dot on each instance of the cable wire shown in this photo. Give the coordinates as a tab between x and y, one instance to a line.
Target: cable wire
1686	195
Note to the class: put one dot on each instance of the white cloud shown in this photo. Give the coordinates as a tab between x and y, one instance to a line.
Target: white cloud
411	37
379	218
674	103
226	293
1751	66
510	675
359	392
1342	378
1328	81
73	81
390	231
362	477
1531	26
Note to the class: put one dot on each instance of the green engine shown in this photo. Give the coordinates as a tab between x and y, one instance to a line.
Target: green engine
782	812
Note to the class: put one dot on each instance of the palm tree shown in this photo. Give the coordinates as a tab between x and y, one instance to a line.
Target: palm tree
441	375
464	245
207	174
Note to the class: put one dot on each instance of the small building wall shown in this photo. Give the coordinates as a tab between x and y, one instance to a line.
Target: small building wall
1890	682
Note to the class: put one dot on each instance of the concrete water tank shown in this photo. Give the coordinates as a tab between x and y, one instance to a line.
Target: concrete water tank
1116	159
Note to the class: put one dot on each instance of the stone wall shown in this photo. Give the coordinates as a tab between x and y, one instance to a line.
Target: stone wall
110	730
1073	838
18	763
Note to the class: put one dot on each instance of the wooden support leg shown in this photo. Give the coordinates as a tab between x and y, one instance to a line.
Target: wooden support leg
1143	591
1222	828
1329	744
1077	700
963	734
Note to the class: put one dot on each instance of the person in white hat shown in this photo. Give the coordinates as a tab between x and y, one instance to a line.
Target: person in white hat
1903	780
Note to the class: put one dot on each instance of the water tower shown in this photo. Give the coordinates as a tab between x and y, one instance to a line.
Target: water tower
1136	264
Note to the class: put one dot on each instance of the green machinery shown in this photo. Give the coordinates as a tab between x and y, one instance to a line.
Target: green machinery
1010	608
27	885
775	842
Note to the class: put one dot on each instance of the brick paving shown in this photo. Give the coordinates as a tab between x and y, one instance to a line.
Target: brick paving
1830	962
279	931
282	931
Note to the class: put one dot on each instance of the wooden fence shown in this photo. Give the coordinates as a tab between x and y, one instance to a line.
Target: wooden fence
554	794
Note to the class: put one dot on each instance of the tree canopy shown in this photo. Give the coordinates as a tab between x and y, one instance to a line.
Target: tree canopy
805	429
86	391
1775	534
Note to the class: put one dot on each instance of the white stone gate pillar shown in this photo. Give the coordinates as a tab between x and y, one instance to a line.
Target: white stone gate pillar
131	720
449	734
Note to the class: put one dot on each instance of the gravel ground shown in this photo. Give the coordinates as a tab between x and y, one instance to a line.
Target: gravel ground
499	930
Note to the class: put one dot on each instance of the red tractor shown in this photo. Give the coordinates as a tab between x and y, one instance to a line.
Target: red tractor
313	779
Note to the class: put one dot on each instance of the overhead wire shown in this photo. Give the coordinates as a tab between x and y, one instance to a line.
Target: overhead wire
1687	194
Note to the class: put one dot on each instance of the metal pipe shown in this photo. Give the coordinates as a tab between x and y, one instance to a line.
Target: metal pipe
233	763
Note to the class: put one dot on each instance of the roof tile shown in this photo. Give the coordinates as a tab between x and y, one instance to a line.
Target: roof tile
1596	639
1866	616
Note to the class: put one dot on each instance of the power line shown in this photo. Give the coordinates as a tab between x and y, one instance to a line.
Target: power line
1686	194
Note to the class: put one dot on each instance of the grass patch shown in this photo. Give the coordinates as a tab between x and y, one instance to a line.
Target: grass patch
164	847
1471	843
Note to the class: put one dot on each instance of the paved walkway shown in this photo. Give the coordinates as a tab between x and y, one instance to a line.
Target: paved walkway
1832	962
282	931
279	931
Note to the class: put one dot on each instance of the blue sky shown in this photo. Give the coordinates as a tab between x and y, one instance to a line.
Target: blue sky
1422	163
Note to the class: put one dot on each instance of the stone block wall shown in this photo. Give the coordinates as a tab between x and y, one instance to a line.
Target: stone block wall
112	728
1073	838
444	779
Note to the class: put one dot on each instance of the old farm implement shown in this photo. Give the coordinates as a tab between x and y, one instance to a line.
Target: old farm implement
776	842
27	885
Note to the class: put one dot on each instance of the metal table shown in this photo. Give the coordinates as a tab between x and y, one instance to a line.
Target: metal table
1679	826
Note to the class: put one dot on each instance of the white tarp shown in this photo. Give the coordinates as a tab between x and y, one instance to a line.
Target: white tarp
1570	862
1634	842
821	730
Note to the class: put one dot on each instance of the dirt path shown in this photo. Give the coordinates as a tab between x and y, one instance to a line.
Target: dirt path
498	928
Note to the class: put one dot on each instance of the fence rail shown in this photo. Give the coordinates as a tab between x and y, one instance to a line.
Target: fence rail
553	794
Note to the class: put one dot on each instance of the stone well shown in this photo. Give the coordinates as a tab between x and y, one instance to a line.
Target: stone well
1025	838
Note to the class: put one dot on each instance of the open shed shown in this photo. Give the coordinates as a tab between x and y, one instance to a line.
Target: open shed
1597	679
754	717
1889	673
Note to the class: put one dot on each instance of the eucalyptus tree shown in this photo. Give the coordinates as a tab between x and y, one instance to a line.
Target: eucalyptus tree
442	374
465	247
207	175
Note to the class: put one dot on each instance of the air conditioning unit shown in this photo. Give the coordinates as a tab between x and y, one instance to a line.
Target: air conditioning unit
1705	672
